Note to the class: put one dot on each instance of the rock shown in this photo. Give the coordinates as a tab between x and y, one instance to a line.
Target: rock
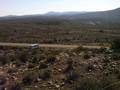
50	82
57	86
36	86
59	70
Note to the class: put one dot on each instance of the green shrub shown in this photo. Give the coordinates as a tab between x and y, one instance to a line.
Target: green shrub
35	60
16	86
31	66
90	67
45	75
11	70
72	76
79	49
115	56
2	80
115	45
86	56
29	78
69	66
3	60
43	66
22	57
101	31
51	59
88	84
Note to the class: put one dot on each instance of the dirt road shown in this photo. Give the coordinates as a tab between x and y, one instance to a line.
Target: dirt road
45	45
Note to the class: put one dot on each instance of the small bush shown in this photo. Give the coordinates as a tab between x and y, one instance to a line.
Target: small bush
90	67
88	84
86	56
69	66
101	31
18	63
2	80
115	45
12	70
35	60
45	75
79	49
29	78
115	56
31	66
16	86
43	66
71	77
51	59
3	60
22	57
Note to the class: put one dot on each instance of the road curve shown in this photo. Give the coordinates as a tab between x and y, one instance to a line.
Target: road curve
44	45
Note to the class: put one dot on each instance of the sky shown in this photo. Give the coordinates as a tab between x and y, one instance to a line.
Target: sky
27	7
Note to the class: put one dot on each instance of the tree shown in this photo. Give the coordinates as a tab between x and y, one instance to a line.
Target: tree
116	45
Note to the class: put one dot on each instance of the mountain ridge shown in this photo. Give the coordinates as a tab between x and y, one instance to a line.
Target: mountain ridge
110	16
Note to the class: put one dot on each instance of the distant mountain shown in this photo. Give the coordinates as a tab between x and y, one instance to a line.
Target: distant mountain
111	16
63	13
99	17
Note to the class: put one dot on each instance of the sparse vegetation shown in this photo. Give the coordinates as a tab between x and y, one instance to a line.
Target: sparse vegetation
80	68
90	67
51	59
72	76
69	66
61	69
45	75
43	66
116	45
29	78
3	60
86	56
16	86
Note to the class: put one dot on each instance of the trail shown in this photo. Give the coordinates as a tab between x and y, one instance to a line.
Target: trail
46	45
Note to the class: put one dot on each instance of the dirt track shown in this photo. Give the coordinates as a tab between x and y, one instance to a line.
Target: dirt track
45	45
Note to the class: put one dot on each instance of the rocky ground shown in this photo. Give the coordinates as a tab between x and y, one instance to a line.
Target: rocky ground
58	69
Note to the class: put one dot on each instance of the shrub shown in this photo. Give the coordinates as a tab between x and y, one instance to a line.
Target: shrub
18	63
115	56
51	59
79	49
35	60
29	78
2	80
16	86
45	75
31	66
69	66
22	57
43	66
101	31
86	56
90	67
88	84
12	70
115	45
71	77
3	60
1	47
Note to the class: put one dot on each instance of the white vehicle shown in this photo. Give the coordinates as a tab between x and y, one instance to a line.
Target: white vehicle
33	46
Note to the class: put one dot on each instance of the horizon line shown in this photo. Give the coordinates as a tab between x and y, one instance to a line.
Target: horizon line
53	12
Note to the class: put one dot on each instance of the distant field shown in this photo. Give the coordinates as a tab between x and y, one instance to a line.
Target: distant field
56	32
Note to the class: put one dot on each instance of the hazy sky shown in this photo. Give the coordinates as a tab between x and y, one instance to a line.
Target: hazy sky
22	7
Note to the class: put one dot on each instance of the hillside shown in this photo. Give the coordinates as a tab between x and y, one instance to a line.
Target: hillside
111	16
62	28
99	17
